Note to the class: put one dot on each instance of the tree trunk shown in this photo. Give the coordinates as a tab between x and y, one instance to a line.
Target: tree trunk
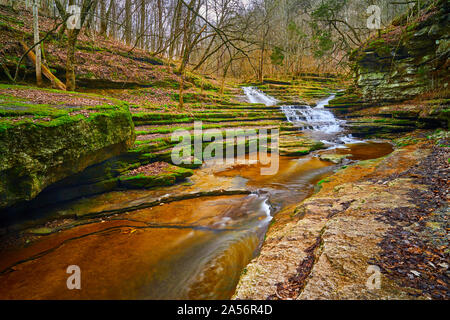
36	40
261	65
70	63
181	100
160	25
112	31
174	30
142	26
103	19
128	22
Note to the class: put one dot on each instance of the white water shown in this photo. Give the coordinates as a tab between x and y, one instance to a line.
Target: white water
255	95
320	122
316	119
265	206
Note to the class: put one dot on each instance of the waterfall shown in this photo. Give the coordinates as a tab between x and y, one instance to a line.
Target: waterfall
317	119
255	95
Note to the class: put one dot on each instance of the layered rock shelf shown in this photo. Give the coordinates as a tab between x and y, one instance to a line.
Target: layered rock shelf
401	76
43	144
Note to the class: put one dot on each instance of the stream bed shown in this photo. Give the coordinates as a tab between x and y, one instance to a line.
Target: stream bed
193	248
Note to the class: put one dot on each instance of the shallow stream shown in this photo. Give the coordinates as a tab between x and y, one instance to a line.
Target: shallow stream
194	248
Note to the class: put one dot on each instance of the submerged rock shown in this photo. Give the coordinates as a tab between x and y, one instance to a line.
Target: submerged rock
335	158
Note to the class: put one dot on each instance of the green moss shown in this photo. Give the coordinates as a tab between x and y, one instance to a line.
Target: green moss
10	19
201	82
41	231
405	141
169	177
42	144
323	181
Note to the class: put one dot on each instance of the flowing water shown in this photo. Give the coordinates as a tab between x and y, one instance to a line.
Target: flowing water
188	249
319	123
254	95
317	118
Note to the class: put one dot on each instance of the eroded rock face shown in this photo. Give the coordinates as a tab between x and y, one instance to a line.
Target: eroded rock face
323	248
407	60
34	155
401	77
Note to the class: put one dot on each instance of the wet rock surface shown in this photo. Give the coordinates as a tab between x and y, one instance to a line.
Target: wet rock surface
327	247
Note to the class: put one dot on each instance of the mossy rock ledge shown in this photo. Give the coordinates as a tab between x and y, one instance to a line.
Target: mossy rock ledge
401	76
38	151
166	177
407	60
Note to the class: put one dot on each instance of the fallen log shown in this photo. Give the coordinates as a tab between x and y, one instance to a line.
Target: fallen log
56	83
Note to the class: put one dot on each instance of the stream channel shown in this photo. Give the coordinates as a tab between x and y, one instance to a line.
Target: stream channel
193	248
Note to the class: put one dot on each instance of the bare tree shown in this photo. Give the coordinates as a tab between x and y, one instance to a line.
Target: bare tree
36	40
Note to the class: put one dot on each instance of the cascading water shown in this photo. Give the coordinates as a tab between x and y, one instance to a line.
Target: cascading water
317	119
255	95
319	122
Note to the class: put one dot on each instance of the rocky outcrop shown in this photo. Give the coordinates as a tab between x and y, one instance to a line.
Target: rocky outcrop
401	76
41	145
408	59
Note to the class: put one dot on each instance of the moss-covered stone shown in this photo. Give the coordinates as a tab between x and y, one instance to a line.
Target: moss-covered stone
335	158
396	72
39	148
167	177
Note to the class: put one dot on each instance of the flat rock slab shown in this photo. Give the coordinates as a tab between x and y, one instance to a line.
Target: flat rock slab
330	245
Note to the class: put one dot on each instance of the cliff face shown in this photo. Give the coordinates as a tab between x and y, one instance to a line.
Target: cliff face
408	59
401	76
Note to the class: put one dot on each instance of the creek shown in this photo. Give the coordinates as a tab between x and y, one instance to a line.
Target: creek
193	248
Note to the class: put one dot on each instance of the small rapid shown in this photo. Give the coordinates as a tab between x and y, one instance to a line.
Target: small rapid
317	121
255	95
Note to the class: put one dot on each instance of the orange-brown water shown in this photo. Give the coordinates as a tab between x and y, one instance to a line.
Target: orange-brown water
190	249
